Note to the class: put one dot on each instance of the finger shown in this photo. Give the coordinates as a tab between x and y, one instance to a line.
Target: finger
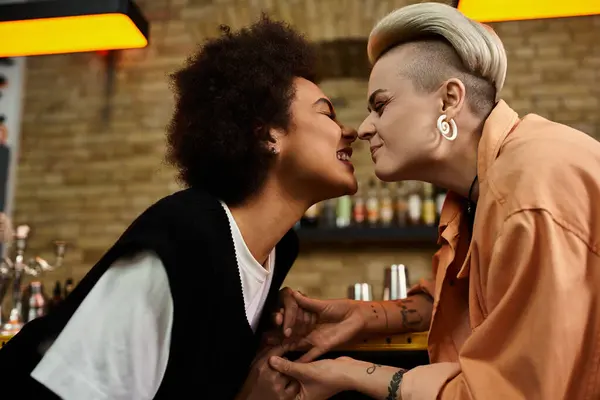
291	309
278	317
273	338
277	351
292	390
313	320
310	355
288	367
299	325
301	344
308	304
307	319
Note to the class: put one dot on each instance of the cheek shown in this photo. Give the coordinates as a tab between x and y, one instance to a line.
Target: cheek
314	146
403	130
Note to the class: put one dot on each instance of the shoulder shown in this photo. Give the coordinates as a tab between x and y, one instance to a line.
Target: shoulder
548	166
186	217
128	313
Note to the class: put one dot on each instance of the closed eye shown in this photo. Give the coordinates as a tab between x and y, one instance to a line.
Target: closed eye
378	108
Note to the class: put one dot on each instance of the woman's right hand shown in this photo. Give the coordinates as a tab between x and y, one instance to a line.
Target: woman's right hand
335	322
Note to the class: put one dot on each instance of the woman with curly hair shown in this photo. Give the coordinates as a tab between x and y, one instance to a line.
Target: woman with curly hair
513	311
176	306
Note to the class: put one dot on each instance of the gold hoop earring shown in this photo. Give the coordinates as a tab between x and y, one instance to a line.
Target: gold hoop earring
447	128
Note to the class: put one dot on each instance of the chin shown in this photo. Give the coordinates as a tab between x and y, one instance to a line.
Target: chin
386	175
348	186
352	188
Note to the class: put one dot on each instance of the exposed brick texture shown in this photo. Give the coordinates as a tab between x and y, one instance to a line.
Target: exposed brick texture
83	179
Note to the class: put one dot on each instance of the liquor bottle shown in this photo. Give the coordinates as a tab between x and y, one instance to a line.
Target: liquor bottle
401	205
440	197
386	213
328	214
69	286
37	302
414	206
57	296
429	210
372	204
343	212
359	209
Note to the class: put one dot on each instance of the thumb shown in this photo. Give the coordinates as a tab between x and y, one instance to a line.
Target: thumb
287	367
312	305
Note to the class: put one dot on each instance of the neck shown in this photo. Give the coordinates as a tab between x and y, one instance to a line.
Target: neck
266	217
457	169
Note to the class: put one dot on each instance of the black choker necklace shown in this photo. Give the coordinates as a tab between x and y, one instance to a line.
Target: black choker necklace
471	205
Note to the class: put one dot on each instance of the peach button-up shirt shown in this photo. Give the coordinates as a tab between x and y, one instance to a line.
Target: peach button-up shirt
517	307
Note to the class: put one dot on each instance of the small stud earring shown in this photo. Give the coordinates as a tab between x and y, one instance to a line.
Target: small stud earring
447	128
274	150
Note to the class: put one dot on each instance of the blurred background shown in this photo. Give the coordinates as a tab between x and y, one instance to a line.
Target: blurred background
81	171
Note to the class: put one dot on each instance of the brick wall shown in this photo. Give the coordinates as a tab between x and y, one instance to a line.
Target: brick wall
83	179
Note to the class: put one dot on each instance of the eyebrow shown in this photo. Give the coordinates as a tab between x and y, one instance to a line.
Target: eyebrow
371	100
325	101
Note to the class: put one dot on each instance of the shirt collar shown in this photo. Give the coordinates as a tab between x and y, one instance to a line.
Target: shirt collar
497	127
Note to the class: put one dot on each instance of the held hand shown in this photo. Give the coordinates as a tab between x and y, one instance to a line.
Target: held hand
265	383
338	322
318	380
293	320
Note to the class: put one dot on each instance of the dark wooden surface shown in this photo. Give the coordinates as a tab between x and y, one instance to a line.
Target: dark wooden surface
422	236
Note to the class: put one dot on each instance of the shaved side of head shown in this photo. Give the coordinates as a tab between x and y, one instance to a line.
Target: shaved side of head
429	62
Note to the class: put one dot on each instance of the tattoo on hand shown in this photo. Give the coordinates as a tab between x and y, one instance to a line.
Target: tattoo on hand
372	368
395	385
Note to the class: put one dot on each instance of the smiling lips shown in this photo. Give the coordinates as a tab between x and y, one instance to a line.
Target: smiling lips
344	154
374	150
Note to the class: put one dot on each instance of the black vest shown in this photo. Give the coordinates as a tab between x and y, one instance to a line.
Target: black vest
212	344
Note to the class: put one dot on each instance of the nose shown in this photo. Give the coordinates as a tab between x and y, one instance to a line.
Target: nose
366	130
349	134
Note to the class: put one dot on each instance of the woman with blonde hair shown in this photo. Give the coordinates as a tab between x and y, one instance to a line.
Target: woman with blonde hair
516	290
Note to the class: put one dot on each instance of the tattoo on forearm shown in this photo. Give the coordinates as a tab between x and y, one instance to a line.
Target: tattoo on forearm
395	385
372	368
427	297
410	316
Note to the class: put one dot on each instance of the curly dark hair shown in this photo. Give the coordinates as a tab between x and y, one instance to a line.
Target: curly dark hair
228	95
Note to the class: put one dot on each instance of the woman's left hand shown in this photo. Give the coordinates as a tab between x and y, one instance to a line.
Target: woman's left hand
264	382
318	380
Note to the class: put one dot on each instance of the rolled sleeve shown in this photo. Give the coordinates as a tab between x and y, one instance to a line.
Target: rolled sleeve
425	286
539	340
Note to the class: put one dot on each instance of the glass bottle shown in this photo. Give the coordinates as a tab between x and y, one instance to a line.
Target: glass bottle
429	211
372	204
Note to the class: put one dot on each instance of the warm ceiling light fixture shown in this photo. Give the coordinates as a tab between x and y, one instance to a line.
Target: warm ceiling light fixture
70	26
517	10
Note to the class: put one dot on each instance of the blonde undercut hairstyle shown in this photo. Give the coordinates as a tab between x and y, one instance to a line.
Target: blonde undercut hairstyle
447	45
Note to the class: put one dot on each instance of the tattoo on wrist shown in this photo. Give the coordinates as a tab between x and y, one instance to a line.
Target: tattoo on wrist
395	385
372	368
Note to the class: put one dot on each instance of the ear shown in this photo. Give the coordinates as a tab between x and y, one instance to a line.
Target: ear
453	97
274	140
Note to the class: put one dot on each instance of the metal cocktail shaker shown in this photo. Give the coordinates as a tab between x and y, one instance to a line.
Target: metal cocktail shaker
395	286
360	291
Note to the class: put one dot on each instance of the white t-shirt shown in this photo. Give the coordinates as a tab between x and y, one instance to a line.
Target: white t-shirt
116	345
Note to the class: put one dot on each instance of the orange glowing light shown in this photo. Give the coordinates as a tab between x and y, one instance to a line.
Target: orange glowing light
515	10
68	27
